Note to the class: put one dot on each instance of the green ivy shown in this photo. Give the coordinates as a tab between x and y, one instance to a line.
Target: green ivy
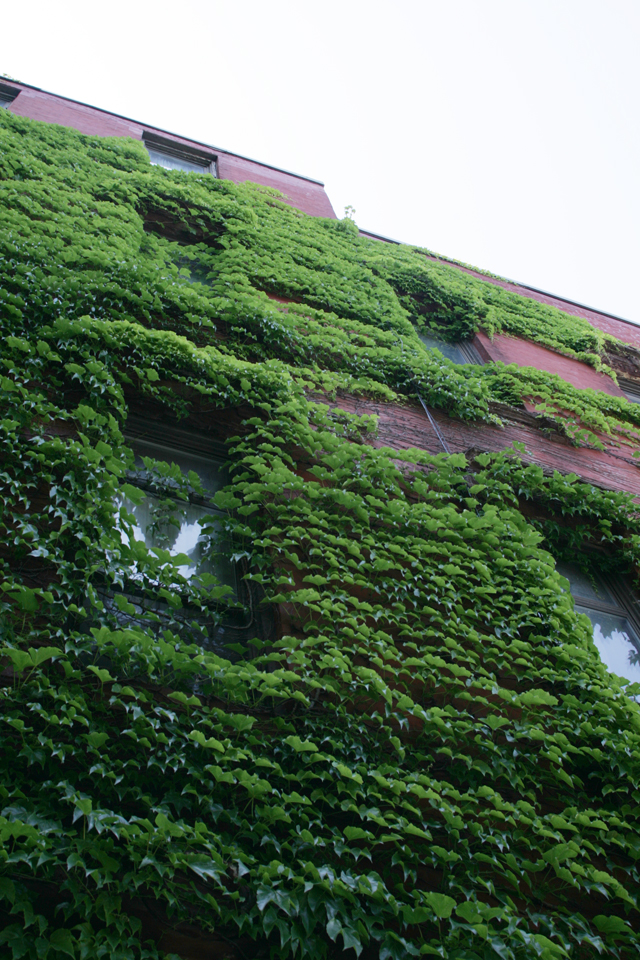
431	760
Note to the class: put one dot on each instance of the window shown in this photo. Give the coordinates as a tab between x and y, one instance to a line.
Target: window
177	514
7	95
616	624
174	156
463	351
630	388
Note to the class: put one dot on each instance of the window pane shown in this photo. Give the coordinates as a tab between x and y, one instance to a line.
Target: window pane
189	534
160	159
452	351
184	530
210	471
581	584
614	639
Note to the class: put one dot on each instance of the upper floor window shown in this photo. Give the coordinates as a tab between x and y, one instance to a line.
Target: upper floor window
616	624
7	95
463	351
174	156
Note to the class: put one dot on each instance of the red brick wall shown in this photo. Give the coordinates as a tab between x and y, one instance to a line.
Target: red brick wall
528	354
401	427
307	195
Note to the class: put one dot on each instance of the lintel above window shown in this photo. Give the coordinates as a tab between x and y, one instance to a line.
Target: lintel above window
461	351
7	95
174	156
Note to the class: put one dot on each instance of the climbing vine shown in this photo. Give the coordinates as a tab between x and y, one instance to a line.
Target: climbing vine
430	759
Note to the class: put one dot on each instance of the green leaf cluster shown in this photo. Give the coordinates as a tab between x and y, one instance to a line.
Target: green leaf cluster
431	759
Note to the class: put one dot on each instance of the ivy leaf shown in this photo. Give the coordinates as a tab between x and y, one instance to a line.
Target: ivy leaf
96	739
333	928
62	941
351	940
134	494
20	659
26	599
440	903
611	925
561	852
103	675
550	950
301	746
357	833
84	806
397	948
537	698
7	889
204	867
240	722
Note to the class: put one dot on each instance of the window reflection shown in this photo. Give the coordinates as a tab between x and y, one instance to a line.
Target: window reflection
184	533
613	633
189	526
174	162
612	636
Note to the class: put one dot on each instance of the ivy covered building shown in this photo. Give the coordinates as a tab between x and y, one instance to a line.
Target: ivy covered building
319	614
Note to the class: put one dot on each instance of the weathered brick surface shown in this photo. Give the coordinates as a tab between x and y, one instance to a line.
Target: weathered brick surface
401	427
307	195
528	354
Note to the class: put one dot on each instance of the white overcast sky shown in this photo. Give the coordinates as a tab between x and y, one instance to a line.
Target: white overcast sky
504	133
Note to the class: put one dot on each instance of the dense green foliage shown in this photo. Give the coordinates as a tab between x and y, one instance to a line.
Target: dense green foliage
433	759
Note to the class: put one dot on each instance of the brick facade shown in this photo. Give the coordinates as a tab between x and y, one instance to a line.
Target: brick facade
404	426
302	192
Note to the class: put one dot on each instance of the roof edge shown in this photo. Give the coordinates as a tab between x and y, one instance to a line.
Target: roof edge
494	276
171	133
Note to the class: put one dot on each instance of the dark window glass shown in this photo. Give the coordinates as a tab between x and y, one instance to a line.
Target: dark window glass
461	352
631	389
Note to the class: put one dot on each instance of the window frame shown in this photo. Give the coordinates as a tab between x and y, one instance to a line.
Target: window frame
167	439
204	158
8	95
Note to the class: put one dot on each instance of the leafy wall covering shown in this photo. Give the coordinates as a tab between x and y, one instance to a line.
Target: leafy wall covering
432	759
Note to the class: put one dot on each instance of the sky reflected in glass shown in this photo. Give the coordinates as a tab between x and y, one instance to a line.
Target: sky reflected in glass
612	637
